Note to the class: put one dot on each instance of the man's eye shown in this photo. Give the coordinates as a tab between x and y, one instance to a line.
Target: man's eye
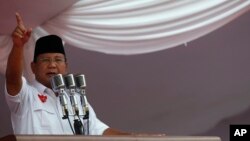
59	60
45	60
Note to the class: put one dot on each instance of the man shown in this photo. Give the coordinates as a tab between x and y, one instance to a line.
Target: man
35	109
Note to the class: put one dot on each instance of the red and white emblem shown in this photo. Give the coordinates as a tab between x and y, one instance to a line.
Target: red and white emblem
42	97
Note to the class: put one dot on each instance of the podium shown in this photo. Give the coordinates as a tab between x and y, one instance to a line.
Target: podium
106	138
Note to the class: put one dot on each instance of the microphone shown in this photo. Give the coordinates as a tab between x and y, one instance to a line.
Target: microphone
81	85
70	85
58	86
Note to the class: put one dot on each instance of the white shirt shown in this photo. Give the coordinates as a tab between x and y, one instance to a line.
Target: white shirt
30	115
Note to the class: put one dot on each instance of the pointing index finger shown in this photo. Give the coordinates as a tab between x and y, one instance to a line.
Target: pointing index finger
19	19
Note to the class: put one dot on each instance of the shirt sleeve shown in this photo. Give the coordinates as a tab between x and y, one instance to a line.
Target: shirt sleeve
96	127
16	103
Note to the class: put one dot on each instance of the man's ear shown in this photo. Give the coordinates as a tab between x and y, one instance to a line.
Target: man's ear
32	65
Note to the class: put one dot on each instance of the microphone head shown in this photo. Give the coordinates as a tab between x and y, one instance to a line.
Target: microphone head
69	81
57	82
80	81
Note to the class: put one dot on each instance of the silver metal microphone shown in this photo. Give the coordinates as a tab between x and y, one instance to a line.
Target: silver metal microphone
58	86
81	85
71	86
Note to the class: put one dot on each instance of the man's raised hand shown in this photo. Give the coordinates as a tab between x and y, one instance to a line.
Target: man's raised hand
21	34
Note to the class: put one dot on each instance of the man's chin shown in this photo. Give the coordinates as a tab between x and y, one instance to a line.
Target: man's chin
50	75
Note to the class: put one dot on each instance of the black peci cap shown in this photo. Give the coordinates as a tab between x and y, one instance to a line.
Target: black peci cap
48	44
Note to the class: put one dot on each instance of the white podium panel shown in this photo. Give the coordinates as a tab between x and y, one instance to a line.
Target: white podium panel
113	138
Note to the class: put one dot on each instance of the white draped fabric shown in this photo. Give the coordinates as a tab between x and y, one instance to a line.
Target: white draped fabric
133	27
141	26
129	27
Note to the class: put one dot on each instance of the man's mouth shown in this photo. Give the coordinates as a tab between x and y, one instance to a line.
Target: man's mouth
50	74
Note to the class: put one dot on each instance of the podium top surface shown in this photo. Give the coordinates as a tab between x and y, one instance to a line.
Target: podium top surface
113	138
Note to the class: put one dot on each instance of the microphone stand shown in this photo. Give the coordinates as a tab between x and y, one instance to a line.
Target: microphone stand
78	125
85	108
63	102
81	85
84	104
70	85
58	85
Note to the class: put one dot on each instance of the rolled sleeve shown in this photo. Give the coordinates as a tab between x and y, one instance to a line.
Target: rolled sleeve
15	102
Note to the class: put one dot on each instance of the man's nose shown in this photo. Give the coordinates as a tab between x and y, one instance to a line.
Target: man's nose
52	63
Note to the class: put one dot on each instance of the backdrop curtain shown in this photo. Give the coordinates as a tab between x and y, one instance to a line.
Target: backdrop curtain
123	27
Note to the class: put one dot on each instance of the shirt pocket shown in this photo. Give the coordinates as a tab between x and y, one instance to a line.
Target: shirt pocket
44	115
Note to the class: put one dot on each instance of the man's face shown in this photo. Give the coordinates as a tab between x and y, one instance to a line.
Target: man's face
47	65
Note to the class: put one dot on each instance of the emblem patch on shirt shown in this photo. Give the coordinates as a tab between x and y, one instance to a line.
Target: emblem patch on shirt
42	97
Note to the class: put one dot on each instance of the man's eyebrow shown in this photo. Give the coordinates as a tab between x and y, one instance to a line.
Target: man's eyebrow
59	56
